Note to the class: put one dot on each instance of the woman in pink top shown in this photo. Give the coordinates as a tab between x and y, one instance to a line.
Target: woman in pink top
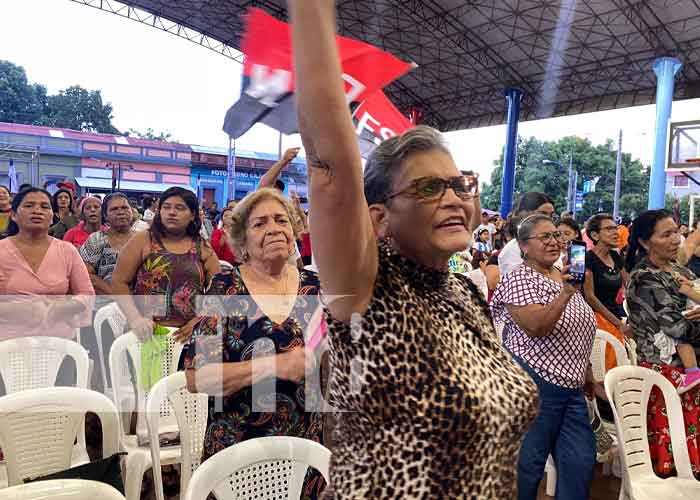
44	285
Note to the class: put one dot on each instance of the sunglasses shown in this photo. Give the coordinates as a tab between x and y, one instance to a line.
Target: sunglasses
465	187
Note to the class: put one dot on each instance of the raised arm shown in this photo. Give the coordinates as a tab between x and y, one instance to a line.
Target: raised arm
345	248
268	180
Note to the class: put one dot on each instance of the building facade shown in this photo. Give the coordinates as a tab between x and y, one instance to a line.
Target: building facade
210	174
101	163
96	163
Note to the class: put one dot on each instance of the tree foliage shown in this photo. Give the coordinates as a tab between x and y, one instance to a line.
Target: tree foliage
151	135
533	174
20	102
74	108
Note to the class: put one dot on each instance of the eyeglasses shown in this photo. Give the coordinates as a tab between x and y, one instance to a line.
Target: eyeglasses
546	238
465	187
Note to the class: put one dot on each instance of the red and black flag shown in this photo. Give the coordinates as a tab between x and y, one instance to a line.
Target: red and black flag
267	93
377	119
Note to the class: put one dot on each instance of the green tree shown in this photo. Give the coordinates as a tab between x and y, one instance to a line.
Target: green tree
80	109
151	135
533	173
20	102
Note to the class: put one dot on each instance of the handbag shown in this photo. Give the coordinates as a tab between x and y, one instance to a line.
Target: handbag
107	470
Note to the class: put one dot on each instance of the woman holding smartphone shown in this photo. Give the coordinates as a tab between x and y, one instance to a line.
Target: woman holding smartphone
549	329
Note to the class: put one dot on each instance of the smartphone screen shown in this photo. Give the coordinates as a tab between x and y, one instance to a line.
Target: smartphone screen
577	260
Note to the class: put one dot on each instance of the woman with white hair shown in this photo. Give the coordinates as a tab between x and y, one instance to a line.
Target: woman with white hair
429	406
251	353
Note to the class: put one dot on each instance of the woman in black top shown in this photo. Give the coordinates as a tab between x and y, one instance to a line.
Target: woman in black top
605	274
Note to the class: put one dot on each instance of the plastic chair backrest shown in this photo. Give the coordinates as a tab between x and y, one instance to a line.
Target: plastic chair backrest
65	489
268	467
129	345
39	426
33	362
191	412
628	389
602	339
112	315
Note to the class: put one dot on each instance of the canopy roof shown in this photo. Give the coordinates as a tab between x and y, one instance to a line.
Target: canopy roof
568	56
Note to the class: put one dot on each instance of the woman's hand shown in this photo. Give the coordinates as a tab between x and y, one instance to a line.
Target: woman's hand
295	364
692	314
570	287
142	328
686	286
184	333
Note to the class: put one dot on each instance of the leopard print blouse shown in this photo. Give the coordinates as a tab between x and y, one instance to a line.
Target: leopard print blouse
428	405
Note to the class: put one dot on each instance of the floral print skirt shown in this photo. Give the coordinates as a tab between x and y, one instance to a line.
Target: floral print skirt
658	429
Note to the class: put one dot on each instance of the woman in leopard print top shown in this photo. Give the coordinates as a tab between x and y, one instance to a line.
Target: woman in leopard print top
429	406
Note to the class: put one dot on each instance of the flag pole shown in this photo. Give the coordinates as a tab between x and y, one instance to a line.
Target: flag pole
231	168
279	146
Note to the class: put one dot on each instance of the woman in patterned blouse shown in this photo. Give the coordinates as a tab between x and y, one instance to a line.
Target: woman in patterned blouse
549	329
249	352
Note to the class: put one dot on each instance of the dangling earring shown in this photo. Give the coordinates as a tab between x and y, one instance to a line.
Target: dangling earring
388	244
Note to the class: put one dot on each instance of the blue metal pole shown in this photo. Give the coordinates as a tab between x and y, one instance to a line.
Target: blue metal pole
513	96
665	69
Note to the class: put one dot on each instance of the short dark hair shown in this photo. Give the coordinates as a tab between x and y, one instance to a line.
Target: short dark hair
24	186
157	229
594	223
531	201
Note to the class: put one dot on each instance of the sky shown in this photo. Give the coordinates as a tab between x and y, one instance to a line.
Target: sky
156	80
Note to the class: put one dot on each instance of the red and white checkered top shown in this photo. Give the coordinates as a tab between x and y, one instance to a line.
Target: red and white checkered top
561	357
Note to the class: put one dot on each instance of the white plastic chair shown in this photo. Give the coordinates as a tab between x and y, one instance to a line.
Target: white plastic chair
190	416
113	316
33	362
600	343
39	426
268	467
628	389
138	458
65	489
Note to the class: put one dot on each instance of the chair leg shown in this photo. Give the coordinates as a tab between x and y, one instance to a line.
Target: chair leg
136	465
551	488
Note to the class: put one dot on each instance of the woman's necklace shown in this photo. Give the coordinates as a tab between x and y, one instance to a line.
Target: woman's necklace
118	240
275	298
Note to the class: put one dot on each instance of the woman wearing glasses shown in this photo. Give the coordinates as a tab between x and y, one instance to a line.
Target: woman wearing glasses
549	330
428	404
605	277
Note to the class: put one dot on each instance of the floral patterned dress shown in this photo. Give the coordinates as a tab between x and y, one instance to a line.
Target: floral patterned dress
235	336
169	283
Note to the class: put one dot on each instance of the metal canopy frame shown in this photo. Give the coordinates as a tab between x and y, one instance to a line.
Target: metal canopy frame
567	56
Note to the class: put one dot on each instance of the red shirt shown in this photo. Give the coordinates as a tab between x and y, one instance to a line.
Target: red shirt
225	253
77	235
